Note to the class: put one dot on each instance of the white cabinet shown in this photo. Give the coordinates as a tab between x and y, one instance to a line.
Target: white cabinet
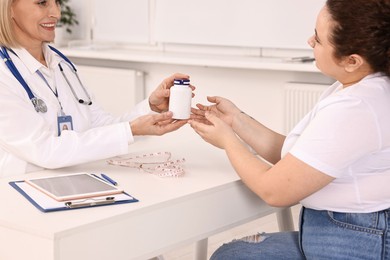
116	90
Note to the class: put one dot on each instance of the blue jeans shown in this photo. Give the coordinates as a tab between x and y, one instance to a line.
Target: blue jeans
323	235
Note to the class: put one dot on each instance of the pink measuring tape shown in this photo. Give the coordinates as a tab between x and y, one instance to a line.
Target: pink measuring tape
158	163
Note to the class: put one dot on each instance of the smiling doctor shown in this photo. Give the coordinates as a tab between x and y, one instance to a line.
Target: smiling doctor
48	119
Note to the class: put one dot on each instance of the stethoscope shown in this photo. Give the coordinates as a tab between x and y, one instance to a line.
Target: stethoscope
38	103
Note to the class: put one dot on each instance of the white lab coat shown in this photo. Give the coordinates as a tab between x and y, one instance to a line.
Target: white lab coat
29	140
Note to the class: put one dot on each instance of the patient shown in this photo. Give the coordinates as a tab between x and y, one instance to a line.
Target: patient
336	161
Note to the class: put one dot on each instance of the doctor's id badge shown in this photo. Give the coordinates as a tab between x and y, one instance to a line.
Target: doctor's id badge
64	123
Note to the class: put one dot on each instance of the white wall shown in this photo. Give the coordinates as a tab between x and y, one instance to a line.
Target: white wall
247	23
257	92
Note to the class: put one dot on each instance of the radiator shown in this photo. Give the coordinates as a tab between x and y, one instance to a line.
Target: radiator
299	99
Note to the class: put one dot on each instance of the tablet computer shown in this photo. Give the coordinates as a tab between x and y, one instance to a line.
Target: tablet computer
74	186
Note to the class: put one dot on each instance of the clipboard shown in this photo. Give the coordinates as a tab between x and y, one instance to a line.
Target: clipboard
45	203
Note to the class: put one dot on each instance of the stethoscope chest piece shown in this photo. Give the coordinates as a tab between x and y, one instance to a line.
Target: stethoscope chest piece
39	105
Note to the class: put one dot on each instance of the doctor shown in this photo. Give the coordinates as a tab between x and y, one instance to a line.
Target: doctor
41	96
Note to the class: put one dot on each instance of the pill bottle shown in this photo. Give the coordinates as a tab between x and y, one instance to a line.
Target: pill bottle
180	99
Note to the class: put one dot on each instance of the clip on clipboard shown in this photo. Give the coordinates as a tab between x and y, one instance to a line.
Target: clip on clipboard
47	203
90	202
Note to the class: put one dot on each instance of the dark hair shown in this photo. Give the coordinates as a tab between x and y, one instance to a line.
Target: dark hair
362	27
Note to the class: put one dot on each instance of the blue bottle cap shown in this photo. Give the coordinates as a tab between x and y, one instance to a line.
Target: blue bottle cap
181	82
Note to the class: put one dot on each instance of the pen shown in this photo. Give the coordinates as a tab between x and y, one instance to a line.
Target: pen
109	179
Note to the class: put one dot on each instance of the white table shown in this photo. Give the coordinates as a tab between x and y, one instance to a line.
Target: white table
171	212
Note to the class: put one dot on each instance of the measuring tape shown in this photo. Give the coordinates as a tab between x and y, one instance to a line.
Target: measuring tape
158	163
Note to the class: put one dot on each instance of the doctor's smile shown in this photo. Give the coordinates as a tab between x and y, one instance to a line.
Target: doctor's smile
49	26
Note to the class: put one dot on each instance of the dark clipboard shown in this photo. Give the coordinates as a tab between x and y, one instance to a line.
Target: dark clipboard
45	203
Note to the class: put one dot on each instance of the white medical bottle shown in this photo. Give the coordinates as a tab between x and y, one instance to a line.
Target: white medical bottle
180	99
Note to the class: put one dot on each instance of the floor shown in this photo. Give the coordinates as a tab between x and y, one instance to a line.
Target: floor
265	224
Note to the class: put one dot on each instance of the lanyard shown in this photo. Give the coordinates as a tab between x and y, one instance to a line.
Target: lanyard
55	92
38	103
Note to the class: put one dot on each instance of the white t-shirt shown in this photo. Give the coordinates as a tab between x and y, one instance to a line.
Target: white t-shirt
347	136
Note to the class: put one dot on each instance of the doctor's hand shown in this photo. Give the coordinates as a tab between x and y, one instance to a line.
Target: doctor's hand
155	124
159	98
217	132
222	108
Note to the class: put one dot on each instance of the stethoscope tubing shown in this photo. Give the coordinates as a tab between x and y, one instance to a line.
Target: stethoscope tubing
81	101
11	66
39	104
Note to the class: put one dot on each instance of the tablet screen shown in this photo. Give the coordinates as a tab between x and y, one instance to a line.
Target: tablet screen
74	186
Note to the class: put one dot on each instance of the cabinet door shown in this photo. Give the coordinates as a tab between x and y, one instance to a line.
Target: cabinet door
116	90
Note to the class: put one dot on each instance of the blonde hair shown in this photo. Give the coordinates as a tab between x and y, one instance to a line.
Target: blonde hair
7	37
